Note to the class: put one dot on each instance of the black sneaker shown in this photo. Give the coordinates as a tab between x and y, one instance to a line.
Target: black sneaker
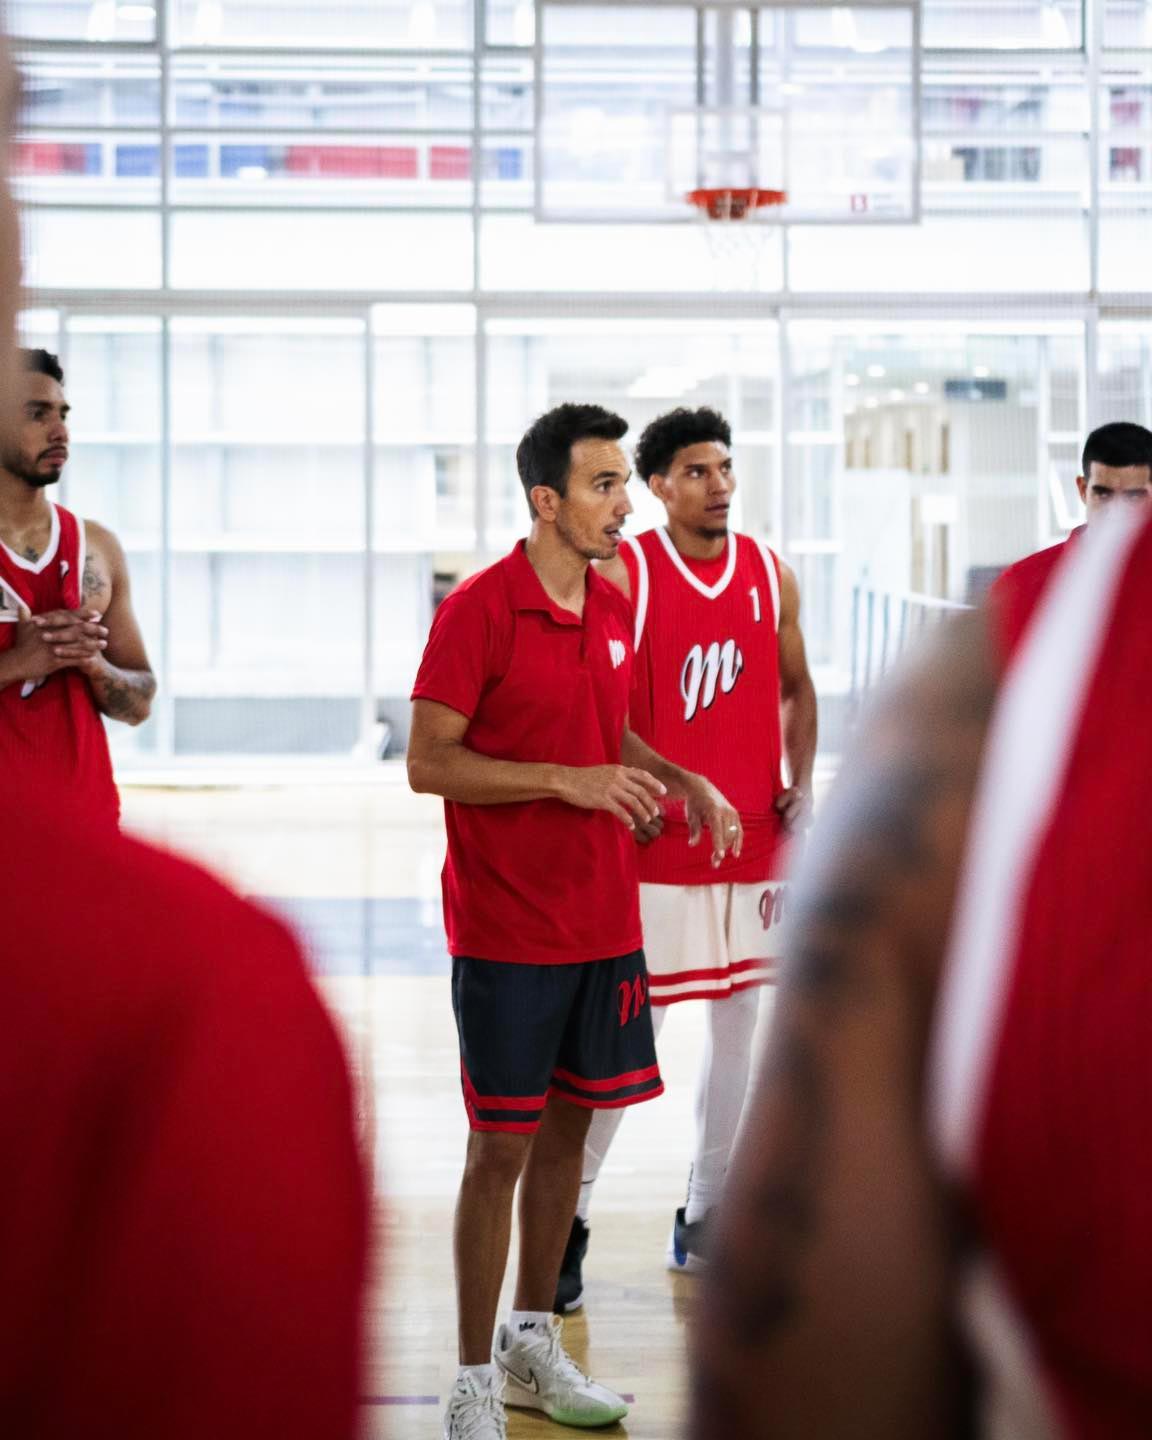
688	1244
570	1286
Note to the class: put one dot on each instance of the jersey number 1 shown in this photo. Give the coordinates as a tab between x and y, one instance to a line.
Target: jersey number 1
755	593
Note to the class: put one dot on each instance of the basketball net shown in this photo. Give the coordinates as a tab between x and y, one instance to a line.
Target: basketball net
736	241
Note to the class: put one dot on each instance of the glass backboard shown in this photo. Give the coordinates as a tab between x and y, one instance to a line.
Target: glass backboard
640	103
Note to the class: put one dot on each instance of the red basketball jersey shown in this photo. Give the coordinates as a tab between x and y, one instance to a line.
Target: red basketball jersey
706	694
52	726
184	1221
1043	1070
1016	592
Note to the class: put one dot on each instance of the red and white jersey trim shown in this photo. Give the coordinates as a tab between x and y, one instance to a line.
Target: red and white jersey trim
1033	731
81	558
641	599
643	589
771	565
10	611
709	592
37	567
1030	738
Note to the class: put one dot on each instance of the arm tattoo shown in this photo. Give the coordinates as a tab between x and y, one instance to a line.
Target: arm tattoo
885	856
91	581
124	694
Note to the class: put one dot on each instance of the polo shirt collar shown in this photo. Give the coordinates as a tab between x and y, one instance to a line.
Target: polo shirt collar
527	593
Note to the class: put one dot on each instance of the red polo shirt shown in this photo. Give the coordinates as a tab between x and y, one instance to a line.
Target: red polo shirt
538	882
1016	592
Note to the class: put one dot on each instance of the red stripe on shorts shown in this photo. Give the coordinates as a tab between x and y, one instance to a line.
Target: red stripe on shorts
714	994
589	1104
505	1127
501	1102
634	1077
682	977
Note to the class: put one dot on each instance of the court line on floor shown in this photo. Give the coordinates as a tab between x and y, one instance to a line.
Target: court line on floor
399	1400
432	1399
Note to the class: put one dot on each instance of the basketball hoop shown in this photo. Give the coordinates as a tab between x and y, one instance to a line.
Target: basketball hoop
735	240
733	203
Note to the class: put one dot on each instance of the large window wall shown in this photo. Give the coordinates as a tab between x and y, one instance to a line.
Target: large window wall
289	255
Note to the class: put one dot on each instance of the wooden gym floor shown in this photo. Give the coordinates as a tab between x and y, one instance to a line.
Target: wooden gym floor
356	868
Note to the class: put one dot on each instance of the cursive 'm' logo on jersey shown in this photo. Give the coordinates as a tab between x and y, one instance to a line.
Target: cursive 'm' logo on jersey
707	671
618	653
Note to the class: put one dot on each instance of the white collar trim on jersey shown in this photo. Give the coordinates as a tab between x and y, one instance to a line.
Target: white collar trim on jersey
34	567
710	592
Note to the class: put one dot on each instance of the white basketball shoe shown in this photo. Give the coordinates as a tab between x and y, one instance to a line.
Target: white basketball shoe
540	1375
476	1411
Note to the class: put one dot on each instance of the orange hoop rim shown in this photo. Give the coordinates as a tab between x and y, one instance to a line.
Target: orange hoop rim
733	202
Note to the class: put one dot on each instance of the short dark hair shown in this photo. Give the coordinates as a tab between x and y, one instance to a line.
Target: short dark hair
1118	445
669	433
544	455
42	362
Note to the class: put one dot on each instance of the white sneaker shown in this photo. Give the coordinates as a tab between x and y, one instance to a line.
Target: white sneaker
540	1375
476	1411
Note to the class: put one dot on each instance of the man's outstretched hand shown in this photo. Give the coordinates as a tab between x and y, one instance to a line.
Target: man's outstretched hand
705	808
629	794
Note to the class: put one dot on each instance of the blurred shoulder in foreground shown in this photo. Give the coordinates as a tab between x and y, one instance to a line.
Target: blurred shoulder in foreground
938	1215
183	1224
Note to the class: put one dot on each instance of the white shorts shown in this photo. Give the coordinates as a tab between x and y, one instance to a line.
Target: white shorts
704	942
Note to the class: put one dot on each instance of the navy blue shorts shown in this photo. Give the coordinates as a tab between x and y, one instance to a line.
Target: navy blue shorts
583	1032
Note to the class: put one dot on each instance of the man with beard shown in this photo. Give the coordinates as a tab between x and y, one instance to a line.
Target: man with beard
70	646
184	1216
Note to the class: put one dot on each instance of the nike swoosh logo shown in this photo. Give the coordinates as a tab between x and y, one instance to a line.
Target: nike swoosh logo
530	1384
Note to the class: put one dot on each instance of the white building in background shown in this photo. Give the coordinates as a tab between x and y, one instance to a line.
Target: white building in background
303	331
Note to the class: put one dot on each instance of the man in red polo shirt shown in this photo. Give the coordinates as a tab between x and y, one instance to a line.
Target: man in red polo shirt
520	723
1116	467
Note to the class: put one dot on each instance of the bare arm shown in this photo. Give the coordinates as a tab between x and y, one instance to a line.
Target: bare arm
827	1307
439	763
797	704
121	678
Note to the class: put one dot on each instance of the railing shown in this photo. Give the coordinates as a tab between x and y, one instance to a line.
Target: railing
883	624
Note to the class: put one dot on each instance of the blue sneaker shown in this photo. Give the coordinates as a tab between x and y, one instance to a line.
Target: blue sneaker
688	1244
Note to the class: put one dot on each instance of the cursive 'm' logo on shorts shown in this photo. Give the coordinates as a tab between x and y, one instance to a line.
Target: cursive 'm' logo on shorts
630	996
772	906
